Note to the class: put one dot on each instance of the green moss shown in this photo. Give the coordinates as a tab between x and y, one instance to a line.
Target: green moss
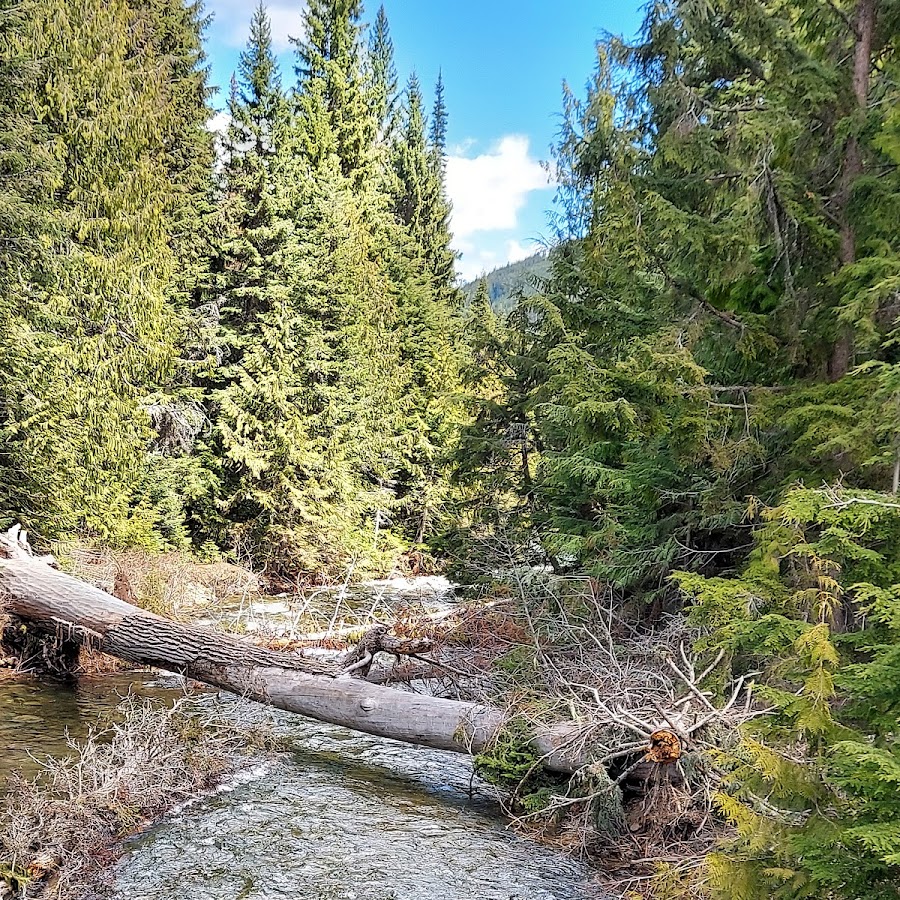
510	759
517	661
511	762
16	881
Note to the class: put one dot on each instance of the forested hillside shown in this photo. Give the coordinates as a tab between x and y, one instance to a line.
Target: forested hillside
257	348
506	283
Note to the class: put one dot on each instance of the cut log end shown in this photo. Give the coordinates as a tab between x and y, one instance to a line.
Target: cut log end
665	747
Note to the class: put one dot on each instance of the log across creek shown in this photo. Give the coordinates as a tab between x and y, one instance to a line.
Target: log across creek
34	590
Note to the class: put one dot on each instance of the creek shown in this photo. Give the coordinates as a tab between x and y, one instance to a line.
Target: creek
339	815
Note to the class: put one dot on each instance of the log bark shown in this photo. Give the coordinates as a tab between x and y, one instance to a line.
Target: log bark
32	589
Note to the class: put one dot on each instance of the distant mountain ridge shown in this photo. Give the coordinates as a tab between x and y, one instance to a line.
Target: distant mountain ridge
505	283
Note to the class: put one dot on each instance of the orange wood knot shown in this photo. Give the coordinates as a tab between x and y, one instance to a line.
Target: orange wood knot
664	747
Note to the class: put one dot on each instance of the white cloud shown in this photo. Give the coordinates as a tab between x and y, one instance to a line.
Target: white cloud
287	22
462	148
516	251
476	261
232	21
489	190
219	123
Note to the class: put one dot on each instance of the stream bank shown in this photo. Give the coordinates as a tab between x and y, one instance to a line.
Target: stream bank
340	815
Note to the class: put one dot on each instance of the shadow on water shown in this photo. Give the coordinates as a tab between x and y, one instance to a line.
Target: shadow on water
372	780
37	715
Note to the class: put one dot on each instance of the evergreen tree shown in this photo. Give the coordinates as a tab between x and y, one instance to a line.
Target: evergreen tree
101	329
496	457
28	172
175	481
173	32
382	78
420	196
344	293
253	220
715	281
442	257
333	114
414	181
437	135
484	462
349	366
811	790
426	308
698	292
257	392
257	107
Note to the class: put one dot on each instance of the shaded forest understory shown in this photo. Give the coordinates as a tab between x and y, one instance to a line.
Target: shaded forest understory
252	347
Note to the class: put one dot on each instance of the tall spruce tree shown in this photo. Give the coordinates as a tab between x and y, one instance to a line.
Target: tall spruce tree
257	392
437	134
426	307
382	78
442	257
101	328
254	148
333	113
347	299
420	196
414	182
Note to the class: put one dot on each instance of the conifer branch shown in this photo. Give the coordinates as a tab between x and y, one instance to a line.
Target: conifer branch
853	26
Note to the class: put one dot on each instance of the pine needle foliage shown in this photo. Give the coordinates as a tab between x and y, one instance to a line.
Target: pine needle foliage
707	378
101	110
812	789
250	342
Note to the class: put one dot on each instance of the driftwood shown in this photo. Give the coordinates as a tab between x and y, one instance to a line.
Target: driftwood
34	590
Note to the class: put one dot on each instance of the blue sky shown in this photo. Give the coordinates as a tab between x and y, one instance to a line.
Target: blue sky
503	63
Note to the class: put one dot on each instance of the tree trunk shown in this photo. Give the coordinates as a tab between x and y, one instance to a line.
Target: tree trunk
852	168
32	589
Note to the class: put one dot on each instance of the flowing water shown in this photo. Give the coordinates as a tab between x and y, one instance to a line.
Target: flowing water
341	815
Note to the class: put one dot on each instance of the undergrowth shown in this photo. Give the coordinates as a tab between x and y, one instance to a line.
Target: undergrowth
512	764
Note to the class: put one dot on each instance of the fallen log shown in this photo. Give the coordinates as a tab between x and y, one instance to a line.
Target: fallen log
34	590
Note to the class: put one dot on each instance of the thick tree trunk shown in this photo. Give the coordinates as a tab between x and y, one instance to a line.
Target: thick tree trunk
33	590
852	168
